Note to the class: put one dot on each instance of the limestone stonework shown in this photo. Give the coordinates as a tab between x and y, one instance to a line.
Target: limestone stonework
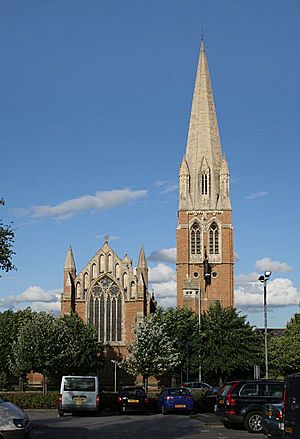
205	254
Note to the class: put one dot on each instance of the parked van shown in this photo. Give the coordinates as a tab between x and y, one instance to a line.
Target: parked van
291	406
79	394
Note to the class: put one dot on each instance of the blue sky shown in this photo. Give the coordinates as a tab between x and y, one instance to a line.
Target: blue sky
95	103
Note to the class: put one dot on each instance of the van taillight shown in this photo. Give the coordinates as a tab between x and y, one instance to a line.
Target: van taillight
119	399
60	398
98	399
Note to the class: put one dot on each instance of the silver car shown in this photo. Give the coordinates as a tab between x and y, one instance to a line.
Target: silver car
14	423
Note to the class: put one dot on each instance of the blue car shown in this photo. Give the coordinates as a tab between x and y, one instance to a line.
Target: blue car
175	399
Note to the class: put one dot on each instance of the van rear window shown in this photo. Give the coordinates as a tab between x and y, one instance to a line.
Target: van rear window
79	384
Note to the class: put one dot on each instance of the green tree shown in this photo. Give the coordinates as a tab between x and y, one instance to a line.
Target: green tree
152	353
7	236
10	323
229	343
284	351
182	326
55	346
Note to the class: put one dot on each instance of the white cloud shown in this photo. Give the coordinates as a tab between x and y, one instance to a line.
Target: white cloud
166	186
101	200
166	293
249	292
267	264
164	255
35	297
161	273
256	195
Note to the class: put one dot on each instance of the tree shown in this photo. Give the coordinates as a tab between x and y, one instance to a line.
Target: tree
10	323
7	236
152	353
229	343
284	351
55	346
182	326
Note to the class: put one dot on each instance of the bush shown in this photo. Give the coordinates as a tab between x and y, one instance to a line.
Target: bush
199	397
32	400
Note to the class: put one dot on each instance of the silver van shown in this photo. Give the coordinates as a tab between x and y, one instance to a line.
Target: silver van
14	423
79	394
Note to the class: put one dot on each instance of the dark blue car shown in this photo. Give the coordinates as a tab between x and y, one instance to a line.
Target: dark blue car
175	399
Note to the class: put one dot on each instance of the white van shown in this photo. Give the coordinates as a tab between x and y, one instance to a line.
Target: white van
79	394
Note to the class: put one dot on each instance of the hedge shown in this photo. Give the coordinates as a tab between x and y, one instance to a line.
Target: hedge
32	400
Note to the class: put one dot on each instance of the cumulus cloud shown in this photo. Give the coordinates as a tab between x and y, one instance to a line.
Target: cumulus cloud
166	186
101	200
164	255
161	273
166	293
35	297
256	195
249	292
267	264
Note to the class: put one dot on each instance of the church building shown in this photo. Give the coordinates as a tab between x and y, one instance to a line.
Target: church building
205	256
109	293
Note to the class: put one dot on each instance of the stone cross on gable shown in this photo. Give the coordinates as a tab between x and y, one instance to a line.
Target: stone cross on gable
106	238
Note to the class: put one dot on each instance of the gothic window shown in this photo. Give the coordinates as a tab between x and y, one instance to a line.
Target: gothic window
109	263
106	310
85	281
94	274
195	237
102	264
117	271
125	281
214	239
78	290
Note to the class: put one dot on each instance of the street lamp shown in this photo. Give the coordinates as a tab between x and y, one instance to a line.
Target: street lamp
115	374
264	279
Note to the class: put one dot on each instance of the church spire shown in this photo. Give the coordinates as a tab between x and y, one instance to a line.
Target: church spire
203	150
142	263
70	263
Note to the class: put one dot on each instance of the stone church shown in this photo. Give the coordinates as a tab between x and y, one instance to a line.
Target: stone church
112	295
205	254
109	293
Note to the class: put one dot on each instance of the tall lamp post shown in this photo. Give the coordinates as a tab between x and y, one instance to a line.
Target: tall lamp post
264	279
115	362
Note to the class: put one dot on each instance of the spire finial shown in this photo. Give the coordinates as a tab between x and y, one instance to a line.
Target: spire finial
106	238
202	34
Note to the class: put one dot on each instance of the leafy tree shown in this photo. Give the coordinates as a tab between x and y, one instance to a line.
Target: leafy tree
182	326
7	236
10	323
284	352
229	343
81	353
152	353
53	346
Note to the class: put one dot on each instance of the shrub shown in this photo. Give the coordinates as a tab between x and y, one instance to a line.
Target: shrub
32	400
199	397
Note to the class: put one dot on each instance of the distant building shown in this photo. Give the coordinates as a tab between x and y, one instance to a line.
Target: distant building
109	293
205	256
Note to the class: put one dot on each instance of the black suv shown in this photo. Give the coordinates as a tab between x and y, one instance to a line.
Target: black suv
241	402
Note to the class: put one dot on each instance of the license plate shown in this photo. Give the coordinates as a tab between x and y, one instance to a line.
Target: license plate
179	406
79	400
133	400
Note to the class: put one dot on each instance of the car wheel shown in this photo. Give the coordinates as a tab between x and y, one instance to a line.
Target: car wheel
253	422
60	413
164	411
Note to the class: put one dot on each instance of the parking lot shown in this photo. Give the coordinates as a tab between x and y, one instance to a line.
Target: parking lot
47	425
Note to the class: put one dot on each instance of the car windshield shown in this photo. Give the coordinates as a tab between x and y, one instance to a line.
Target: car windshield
79	384
136	393
178	392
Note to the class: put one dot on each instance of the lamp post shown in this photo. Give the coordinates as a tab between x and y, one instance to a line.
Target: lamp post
115	374
264	279
199	323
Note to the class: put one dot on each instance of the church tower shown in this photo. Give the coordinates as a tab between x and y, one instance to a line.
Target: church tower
205	255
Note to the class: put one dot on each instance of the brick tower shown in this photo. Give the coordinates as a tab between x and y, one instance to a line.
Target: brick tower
204	233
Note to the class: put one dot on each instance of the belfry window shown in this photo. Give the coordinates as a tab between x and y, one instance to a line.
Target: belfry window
214	239
204	184
106	310
195	239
